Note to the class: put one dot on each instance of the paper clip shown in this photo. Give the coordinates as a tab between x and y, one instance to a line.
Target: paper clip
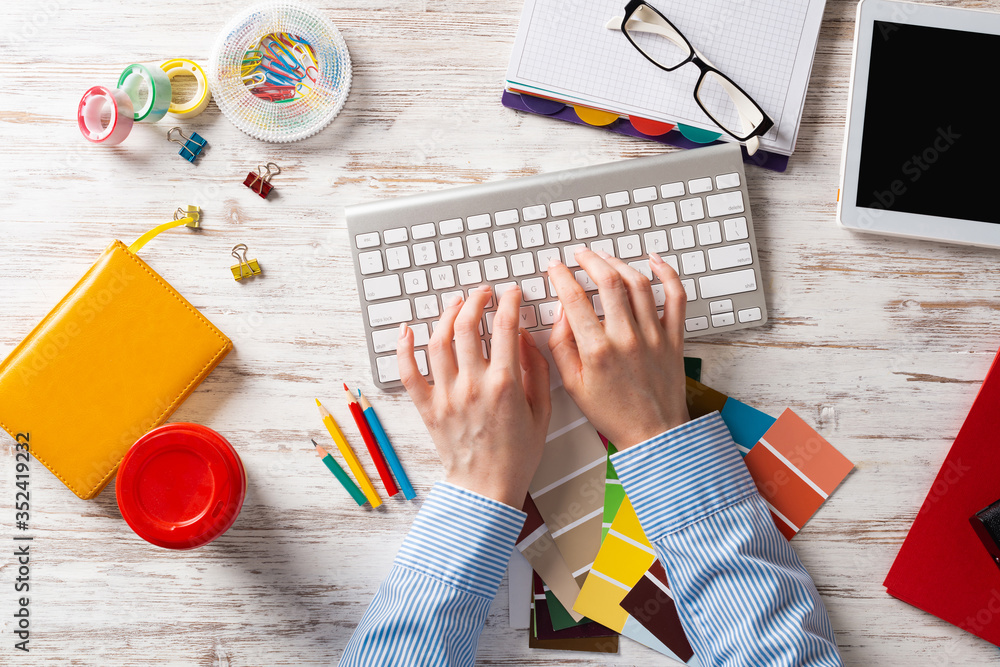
190	146
261	183
246	267
192	212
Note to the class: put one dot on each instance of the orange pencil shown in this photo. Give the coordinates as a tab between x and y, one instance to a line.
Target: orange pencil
371	444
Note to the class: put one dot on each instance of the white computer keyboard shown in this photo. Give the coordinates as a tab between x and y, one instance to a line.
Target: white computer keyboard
414	255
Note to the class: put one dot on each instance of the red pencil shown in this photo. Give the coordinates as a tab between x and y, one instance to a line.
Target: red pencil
371	444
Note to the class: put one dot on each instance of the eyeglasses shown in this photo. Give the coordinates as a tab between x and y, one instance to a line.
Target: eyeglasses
722	100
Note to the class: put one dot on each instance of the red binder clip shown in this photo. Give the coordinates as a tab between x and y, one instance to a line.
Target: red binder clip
261	183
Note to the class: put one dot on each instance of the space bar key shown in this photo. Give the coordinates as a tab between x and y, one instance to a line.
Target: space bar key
728	283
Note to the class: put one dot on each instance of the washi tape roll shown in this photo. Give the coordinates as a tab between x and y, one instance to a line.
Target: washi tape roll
158	91
198	102
97	102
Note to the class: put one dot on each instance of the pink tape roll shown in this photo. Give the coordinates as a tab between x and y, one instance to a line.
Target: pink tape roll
93	105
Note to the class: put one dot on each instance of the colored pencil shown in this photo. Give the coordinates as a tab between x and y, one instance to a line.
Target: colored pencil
352	460
369	438
341	476
386	447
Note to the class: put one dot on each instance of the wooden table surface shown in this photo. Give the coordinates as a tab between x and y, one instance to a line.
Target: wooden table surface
879	343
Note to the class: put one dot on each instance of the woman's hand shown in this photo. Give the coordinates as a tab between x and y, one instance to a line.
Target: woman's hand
627	374
488	419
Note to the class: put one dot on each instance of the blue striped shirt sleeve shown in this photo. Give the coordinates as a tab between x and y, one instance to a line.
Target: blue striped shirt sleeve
742	594
431	608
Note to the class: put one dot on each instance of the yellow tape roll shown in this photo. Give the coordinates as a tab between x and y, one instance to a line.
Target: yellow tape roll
199	101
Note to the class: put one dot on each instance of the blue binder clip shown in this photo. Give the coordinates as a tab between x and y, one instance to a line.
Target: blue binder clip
190	146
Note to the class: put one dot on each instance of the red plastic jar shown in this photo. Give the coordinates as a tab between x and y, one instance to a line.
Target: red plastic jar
181	486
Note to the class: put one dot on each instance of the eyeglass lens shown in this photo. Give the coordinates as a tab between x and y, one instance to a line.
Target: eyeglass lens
656	38
727	105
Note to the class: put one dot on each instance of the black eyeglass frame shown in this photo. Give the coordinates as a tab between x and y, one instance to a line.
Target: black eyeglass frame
766	122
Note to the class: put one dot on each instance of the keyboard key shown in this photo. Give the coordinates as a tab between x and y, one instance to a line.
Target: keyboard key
481	221
443	277
453	226
612	222
709	233
469	273
383	287
397	258
386	339
696	323
415	282
397	235
659	294
656	241
642	266
643	195
392	312
682	238
603	245
726	203
688	286
629	246
478	244
522	264
503	218
692	209
489	320
424	231
533	289
616	199
736	229
369	240
486	355
723	284
569	253
598	307
589	204
584	281
505	240
451	249
370	262
724	306
585	226
450	298
533	212
749	315
528	318
730	256
672	190
638	218
699	185
547	312
545	256
723	320
531	236
558	231
424	253
388	367
560	208
496	268
427	306
501	288
724	181
693	262
665	214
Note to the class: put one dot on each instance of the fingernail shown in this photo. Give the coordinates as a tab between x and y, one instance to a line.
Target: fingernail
485	289
558	311
554	262
403	329
654	258
528	338
603	255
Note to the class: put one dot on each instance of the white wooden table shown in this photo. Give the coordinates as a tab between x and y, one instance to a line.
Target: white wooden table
879	343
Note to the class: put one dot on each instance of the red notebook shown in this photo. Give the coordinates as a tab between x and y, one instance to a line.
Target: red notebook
942	567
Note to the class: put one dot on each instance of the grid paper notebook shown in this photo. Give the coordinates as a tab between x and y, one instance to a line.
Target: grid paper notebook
563	50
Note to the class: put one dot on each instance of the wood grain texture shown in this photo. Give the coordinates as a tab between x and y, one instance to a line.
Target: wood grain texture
880	343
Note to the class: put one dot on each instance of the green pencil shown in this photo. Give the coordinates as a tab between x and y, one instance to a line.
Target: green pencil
341	476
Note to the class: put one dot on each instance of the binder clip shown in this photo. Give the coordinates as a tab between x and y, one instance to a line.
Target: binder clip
261	183
192	212
246	267
190	146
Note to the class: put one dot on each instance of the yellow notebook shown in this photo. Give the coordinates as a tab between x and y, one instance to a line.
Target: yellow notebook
111	361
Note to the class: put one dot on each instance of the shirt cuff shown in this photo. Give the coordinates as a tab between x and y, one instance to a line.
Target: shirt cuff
462	538
683	475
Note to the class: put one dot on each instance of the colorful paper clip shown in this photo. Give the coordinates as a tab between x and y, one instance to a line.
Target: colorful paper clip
246	267
192	212
190	146
261	183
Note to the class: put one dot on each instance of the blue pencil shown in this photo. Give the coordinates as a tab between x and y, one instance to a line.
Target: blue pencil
387	451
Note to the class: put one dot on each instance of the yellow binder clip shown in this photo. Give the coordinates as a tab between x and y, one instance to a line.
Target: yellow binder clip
246	267
192	212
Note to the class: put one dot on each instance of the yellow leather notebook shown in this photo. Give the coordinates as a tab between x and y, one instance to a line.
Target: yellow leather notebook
113	359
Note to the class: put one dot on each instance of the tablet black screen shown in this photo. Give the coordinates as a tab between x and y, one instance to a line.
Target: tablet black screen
930	143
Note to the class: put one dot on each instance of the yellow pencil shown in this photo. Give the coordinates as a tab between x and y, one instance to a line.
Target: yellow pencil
352	461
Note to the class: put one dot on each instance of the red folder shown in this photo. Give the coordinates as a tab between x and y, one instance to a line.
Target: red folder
942	566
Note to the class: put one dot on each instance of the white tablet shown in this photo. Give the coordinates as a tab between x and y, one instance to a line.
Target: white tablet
922	147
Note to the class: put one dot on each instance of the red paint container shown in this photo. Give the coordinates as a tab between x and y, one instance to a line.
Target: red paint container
181	486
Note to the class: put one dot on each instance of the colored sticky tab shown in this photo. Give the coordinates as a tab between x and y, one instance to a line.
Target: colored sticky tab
595	116
697	135
747	425
542	105
651	128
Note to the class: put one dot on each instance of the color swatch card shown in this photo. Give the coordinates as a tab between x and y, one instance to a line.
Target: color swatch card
651	603
539	548
745	424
